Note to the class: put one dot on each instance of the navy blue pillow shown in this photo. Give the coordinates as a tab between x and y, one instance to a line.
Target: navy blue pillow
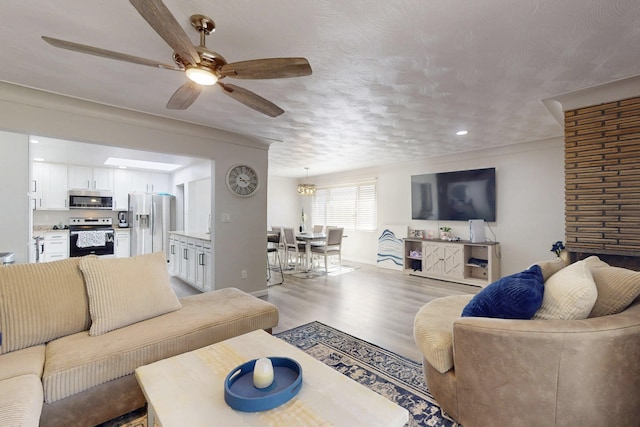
518	296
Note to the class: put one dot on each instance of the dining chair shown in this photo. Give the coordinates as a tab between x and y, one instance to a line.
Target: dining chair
273	242
332	247
293	246
281	246
318	228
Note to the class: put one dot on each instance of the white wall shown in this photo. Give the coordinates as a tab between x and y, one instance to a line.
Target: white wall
284	203
530	200
238	245
14	215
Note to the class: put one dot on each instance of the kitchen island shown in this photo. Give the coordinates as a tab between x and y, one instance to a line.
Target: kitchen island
191	258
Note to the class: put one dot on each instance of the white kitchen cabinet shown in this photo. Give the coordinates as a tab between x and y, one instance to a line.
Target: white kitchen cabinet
148	182
50	186
160	183
55	247
174	255
204	266
125	182
187	260
120	190
103	179
88	178
191	260
122	243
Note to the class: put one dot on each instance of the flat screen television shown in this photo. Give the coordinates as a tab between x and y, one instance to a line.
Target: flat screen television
454	196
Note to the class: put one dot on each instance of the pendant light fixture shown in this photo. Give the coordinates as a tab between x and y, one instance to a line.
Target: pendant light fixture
306	189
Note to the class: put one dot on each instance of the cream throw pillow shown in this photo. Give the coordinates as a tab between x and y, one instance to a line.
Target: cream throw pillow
40	302
570	293
617	288
123	291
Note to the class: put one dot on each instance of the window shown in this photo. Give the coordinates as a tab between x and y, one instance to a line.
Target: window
351	206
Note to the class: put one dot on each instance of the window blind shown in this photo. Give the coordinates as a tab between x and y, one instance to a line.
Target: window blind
352	206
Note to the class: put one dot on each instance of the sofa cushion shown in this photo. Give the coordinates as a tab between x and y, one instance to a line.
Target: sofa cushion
29	360
617	288
517	296
40	302
123	291
21	401
80	361
433	329
570	293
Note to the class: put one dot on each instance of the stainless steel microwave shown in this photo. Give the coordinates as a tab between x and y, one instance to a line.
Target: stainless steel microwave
87	199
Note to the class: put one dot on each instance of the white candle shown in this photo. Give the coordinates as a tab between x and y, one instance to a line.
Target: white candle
263	373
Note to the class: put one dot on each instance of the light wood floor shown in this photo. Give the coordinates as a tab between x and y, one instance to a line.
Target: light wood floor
375	304
371	303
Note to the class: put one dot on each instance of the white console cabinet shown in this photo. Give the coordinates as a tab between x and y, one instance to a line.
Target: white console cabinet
463	262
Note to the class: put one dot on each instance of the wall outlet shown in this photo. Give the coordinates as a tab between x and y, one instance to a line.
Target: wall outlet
226	217
243	274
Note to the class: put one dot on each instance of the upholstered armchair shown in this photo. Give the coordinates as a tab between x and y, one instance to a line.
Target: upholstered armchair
504	372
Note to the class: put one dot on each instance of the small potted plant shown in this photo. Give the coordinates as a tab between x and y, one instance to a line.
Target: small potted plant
444	232
560	251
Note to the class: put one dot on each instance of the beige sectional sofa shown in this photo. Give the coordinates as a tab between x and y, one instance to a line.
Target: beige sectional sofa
73	332
575	363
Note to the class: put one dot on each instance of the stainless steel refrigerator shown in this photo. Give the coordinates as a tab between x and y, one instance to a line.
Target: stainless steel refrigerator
151	217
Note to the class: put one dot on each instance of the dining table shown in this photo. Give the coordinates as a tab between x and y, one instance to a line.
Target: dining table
308	238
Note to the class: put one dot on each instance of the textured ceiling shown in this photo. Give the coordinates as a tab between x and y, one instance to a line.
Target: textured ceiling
392	81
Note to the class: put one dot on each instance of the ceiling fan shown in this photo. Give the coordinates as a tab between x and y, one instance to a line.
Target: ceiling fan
202	66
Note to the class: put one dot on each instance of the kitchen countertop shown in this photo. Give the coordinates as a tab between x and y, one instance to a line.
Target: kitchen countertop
200	235
38	230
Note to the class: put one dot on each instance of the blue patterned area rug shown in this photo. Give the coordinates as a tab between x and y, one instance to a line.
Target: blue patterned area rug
395	377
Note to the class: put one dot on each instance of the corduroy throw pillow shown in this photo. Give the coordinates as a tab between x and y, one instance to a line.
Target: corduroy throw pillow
517	296
570	293
123	291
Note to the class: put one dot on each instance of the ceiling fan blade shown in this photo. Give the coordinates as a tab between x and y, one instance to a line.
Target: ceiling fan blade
165	24
251	100
184	96
77	47
269	68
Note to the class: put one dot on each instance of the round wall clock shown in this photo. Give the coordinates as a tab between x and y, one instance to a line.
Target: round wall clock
242	180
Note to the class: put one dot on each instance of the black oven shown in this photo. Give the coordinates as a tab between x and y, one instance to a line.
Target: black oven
91	236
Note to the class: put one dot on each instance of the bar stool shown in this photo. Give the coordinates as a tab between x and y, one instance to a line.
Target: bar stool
273	240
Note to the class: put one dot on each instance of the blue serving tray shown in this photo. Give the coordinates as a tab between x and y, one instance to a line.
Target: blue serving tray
241	394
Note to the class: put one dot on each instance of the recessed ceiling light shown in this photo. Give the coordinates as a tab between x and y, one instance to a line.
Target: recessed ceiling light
462	132
34	141
141	164
38	159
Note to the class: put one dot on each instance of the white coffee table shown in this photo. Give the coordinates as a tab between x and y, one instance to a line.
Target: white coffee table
188	390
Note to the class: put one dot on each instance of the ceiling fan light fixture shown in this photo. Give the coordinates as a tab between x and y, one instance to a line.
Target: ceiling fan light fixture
201	75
